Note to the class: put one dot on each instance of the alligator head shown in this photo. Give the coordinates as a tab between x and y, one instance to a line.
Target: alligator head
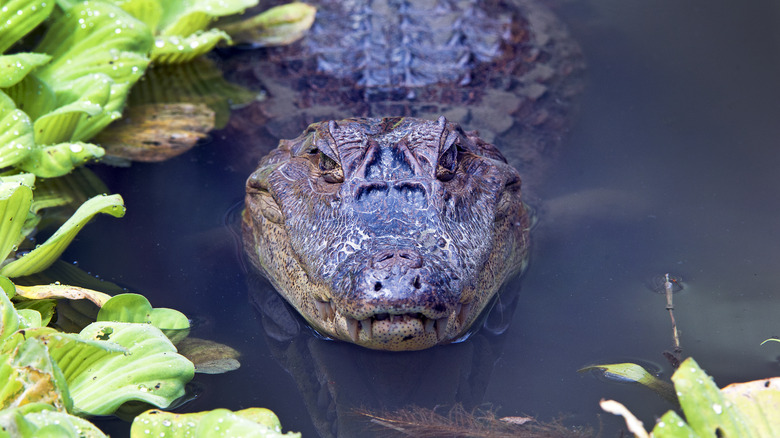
392	233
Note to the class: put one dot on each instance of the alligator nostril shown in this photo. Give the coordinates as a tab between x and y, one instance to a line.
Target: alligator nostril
416	283
378	286
384	257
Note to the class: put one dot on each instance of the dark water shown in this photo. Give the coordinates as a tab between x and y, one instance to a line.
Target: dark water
671	166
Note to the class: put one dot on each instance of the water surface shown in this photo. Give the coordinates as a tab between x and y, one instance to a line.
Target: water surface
671	166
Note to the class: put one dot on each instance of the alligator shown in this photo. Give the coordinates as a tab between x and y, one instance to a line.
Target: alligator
392	233
388	224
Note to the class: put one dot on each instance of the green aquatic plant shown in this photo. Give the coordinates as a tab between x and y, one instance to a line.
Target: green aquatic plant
89	373
741	410
252	422
71	86
19	218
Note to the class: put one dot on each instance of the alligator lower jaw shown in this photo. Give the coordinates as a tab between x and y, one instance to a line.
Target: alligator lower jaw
386	331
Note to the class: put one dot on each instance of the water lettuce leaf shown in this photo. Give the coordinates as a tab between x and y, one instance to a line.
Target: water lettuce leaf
14	68
185	17
19	17
45	422
706	409
16	137
85	98
94	38
45	254
60	159
9	319
34	95
174	49
252	422
28	375
44	308
277	26
15	202
180	26
110	363
136	308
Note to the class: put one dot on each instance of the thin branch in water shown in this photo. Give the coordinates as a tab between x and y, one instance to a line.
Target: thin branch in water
676	357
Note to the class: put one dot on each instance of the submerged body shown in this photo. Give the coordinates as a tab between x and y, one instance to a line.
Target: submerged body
391	233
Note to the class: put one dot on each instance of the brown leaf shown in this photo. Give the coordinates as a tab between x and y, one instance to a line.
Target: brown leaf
62	291
209	357
156	132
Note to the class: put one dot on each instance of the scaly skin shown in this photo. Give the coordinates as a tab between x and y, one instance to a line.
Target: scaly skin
392	233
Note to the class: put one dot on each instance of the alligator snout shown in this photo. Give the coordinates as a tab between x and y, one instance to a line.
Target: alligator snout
396	259
398	281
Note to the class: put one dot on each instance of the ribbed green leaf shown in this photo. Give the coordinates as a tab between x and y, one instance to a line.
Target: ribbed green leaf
277	26
176	50
13	68
183	18
252	422
148	11
15	201
33	96
16	133
92	35
59	159
9	320
45	308
84	99
48	423
60	125
44	255
96	38
74	189
144	366
18	17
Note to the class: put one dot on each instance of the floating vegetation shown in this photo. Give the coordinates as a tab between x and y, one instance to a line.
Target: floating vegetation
277	26
252	422
741	410
458	422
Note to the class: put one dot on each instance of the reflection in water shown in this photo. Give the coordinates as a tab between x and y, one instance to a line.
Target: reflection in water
336	379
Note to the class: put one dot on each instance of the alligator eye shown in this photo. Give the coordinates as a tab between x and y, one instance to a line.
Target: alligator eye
448	164
331	171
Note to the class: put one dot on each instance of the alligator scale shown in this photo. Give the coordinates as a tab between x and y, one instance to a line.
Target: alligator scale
385	223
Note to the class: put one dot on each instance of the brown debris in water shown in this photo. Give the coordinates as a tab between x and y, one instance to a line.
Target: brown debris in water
458	422
157	131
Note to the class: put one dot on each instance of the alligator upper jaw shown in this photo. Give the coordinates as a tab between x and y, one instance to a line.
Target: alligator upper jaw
395	331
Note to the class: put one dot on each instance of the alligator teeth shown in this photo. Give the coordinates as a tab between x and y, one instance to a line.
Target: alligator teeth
365	326
325	309
352	329
430	325
441	327
463	311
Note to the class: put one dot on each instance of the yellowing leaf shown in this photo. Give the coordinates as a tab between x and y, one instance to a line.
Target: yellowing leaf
62	291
